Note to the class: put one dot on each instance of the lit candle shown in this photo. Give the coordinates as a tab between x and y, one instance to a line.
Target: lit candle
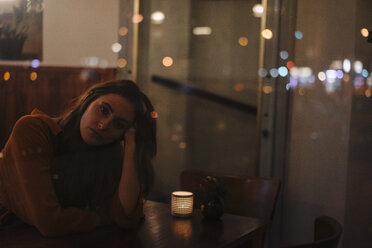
182	203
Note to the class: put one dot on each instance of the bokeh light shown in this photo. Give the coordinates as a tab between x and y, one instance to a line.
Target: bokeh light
154	115
267	89
340	74
116	47
358	66
258	10
364	32
290	64
123	31
267	34
299	35
167	61
6	76
121	63
283	55
368	93
365	73
137	18
274	72
322	76
182	145
346	65
262	72
202	30
283	71
35	63
33	76
239	87
301	91
243	41
331	76
157	17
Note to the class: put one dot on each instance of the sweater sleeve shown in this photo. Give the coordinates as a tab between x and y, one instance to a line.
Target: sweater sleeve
28	186
121	218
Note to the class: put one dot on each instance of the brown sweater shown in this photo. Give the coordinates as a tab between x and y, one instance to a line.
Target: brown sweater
26	188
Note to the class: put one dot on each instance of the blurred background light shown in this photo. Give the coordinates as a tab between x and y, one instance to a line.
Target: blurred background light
202	30
364	32
123	31
267	89
116	47
322	76
290	64
6	76
137	18
283	55
340	74
368	93
33	76
365	73
358	66
167	61
258	10
267	34
346	65
243	41
274	72
239	87
283	71
157	17
121	63
262	72
35	63
298	35
331	76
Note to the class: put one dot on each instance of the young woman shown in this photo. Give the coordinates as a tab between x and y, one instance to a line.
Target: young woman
89	167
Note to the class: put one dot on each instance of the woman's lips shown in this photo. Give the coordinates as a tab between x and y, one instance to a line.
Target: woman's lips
95	133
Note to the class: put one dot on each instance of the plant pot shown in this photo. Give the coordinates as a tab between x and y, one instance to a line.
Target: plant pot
212	209
11	49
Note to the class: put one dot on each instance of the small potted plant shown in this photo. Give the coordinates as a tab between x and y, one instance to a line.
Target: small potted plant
212	197
14	28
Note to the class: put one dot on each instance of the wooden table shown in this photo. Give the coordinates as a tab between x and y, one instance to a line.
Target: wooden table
159	229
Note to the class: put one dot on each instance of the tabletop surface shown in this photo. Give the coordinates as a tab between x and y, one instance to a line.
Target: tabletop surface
159	229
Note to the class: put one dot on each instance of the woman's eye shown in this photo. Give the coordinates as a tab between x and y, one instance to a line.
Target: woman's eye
119	125
104	110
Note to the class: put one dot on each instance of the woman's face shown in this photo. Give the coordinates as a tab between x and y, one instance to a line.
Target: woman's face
106	120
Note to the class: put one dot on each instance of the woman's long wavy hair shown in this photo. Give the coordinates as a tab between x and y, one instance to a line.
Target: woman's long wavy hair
145	124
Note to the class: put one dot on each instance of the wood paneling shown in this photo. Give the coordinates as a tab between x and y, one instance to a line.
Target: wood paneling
52	90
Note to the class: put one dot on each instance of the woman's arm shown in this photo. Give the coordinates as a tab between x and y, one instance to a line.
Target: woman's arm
129	186
27	186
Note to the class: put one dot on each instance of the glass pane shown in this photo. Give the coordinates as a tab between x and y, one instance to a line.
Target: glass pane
208	51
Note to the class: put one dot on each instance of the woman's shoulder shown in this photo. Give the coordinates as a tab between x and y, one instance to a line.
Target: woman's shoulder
36	121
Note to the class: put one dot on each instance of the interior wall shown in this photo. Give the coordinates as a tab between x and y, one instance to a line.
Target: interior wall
80	33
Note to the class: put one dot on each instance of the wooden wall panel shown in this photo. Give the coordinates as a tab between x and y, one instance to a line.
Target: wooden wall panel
51	92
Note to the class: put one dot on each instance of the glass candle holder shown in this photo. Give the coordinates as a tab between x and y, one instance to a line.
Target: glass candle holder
182	203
